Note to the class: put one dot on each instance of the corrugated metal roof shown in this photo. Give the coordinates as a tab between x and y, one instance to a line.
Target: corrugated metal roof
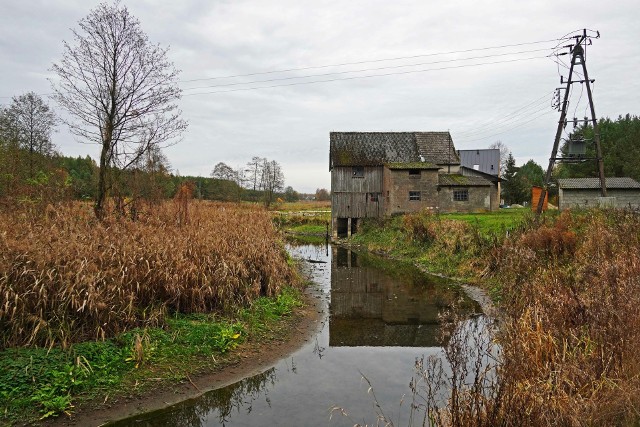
487	160
588	183
456	180
379	148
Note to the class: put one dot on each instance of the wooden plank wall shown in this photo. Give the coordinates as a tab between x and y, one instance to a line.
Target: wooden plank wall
350	197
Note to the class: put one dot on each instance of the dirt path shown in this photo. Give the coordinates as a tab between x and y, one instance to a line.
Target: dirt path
247	360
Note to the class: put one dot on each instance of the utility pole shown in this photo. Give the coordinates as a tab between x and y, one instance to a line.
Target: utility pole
577	58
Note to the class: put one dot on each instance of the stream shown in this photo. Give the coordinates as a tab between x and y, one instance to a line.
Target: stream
378	317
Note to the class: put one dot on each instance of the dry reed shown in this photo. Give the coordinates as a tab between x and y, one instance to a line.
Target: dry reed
66	277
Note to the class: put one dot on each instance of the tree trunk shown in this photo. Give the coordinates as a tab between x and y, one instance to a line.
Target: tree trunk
101	194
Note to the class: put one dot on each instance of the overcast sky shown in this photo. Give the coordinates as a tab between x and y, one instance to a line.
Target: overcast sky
507	101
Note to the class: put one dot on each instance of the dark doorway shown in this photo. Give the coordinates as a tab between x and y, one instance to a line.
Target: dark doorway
343	227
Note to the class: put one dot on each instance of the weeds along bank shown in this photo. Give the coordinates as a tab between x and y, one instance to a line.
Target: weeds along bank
569	291
65	277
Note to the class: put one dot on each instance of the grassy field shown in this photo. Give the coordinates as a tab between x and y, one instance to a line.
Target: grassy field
305	221
445	243
85	303
500	221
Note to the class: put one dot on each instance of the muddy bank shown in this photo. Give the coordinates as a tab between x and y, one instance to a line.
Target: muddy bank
247	360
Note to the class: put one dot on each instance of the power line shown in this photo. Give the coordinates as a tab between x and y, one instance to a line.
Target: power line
506	125
509	129
366	69
509	117
352	63
371	61
366	76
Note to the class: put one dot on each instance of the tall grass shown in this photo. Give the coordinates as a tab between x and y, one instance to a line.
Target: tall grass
65	277
566	350
569	334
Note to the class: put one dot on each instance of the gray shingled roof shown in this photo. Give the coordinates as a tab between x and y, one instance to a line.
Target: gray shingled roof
437	147
455	180
588	183
379	148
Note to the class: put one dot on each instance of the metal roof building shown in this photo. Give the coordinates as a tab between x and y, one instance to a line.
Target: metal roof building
622	192
483	160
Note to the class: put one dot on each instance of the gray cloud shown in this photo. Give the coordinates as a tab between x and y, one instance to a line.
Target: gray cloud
291	124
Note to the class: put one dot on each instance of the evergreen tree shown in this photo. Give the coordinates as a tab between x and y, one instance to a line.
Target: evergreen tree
620	141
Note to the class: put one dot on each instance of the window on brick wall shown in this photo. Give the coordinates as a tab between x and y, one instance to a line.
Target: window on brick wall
414	195
414	173
461	195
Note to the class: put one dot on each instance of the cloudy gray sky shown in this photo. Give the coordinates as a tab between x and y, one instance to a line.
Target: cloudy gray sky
479	104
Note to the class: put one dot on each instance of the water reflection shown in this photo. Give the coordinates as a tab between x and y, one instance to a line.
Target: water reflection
378	317
379	303
216	407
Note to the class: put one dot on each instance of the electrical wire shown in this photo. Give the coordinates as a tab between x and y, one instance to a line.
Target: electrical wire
366	76
507	130
366	69
514	114
370	61
504	126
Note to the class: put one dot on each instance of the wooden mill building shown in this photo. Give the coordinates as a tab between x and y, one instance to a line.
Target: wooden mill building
375	174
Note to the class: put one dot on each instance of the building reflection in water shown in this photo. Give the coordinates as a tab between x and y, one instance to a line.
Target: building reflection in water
395	306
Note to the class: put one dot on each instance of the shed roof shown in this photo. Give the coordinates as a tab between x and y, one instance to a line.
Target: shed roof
380	148
594	183
456	180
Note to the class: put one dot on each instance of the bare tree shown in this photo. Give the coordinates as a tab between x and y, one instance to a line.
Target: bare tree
32	122
273	180
254	171
504	155
8	131
224	171
119	89
322	194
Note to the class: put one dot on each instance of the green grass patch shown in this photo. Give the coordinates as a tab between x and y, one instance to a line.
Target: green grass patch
442	243
488	223
37	383
309	229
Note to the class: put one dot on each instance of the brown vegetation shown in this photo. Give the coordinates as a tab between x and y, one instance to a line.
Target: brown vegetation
568	337
66	276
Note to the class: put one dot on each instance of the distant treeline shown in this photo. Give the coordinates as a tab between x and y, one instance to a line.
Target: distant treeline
25	175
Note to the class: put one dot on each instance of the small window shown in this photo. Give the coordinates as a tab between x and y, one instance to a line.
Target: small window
358	172
476	167
414	195
373	197
461	195
414	173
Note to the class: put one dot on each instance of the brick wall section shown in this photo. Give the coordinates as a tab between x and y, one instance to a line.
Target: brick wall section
479	199
397	185
588	198
495	190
